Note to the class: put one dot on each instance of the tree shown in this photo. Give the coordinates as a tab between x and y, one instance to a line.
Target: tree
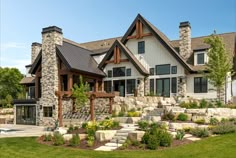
219	63
80	92
10	83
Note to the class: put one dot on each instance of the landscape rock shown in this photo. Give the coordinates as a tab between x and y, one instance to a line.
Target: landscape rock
137	135
61	130
104	135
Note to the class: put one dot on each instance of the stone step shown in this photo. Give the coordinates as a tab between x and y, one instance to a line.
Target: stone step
120	137
128	125
113	144
124	131
122	134
119	141
106	148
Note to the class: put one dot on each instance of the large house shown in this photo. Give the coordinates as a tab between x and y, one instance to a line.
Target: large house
141	62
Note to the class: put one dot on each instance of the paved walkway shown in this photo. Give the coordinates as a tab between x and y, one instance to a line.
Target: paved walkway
10	130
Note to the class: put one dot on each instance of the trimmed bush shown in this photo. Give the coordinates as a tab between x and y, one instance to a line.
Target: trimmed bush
180	135
200	132
165	138
143	125
91	128
133	114
145	137
168	116
201	121
203	104
153	142
182	117
75	140
90	141
224	128
84	125
58	139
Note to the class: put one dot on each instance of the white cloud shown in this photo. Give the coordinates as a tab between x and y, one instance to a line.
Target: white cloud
15	63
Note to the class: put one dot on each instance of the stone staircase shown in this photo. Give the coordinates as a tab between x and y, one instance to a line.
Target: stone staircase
119	138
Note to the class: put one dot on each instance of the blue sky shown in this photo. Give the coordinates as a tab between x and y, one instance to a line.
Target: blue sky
88	20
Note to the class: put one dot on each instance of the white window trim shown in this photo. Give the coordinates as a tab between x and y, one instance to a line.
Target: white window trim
205	57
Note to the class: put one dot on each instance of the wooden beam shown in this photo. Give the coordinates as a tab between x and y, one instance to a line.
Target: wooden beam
109	61
124	60
96	86
146	34
137	29
63	72
131	37
92	97
70	81
60	110
118	55
140	29
114	55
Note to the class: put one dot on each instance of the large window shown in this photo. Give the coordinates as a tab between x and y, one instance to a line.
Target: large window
174	69
47	111
200	85
162	69
107	86
141	47
173	85
151	86
118	71
130	86
200	58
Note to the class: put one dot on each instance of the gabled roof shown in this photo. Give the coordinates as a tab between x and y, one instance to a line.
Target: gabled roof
74	57
78	58
27	80
159	35
129	55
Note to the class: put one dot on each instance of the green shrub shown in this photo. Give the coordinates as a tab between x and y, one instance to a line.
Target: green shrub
193	105
90	141
182	117
165	138
210	105
200	121
75	140
115	124
143	125
58	139
224	128
91	128
133	114
200	132
145	137
169	116
219	104
71	128
203	103
121	114
106	124
153	142
214	121
184	105
47	137
76	128
84	125
180	135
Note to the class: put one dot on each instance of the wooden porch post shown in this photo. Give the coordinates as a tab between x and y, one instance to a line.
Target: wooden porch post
96	85
60	109
92	97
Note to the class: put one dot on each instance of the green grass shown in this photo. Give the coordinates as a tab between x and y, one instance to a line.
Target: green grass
217	147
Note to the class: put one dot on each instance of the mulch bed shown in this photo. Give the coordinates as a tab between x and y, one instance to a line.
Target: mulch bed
82	145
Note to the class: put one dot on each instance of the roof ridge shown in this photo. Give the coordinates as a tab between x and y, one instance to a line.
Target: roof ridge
76	44
102	40
206	36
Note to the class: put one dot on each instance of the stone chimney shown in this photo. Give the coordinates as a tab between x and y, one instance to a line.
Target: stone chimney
51	36
35	49
185	39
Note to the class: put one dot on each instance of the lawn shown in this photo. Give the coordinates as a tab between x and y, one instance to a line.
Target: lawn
217	147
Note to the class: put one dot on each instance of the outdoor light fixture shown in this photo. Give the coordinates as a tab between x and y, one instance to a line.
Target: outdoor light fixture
40	107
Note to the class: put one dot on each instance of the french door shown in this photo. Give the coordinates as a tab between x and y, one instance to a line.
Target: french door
163	87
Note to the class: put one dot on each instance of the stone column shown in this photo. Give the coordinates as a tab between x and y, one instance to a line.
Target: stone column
51	36
185	40
182	89
35	49
140	87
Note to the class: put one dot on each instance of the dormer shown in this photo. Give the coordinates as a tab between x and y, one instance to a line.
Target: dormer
200	57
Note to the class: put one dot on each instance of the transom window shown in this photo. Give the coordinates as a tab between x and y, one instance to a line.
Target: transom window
162	69
174	69
47	111
200	85
128	72
200	58
141	47
118	71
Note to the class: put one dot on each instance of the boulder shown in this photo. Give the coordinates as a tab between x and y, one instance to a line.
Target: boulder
116	108
177	110
104	135
83	136
136	135
61	130
67	137
196	111
133	119
120	119
177	126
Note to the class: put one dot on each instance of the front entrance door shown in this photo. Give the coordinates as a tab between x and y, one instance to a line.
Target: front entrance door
163	87
119	86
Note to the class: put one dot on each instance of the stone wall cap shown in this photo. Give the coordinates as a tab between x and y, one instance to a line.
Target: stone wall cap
51	29
36	44
184	24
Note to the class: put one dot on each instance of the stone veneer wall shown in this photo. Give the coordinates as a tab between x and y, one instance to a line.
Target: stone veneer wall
185	40
49	81
181	89
140	87
35	49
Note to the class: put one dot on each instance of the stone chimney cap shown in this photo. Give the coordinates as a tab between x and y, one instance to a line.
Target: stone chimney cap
36	44
51	29
185	24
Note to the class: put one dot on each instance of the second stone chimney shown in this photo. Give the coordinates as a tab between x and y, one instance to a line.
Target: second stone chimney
185	40
35	49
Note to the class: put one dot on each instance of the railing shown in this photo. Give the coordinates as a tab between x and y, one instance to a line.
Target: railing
142	61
